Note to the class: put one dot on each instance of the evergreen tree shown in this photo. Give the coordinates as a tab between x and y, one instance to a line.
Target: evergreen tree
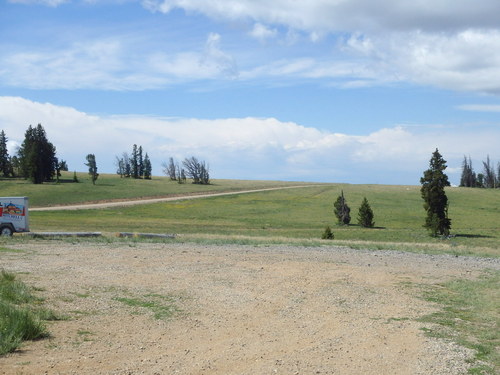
37	156
433	193
342	210
5	164
490	178
147	167
91	163
327	234
365	215
468	178
140	163
134	162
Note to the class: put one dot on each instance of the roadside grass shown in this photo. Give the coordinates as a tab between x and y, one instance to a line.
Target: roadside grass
301	215
21	317
469	314
111	187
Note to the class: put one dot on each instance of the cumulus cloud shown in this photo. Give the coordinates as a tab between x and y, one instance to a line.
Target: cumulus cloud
252	148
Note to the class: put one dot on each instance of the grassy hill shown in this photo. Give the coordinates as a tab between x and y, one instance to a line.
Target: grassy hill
285	216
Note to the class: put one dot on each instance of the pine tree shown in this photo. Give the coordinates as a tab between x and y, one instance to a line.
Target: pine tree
490	178
91	163
140	163
134	162
5	165
468	178
147	167
37	156
433	193
365	215
342	210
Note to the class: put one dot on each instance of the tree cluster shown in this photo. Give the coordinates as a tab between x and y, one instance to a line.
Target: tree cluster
192	168
489	178
134	165
342	212
35	160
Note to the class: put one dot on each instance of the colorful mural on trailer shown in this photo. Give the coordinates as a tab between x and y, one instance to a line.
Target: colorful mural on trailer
12	210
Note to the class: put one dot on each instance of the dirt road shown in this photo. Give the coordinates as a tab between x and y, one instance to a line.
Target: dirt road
237	310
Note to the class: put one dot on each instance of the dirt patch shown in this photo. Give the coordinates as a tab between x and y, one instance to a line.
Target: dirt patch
235	310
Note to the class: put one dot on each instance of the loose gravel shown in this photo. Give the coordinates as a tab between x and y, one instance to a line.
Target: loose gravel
236	309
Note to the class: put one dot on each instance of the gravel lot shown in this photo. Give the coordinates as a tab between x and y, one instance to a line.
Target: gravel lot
237	309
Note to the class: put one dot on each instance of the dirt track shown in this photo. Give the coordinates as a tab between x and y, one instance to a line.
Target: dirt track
242	310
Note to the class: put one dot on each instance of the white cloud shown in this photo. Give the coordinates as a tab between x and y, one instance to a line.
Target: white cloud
263	32
246	147
340	15
111	64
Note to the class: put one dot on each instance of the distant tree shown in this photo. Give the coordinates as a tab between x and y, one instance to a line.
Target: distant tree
490	178
16	166
91	163
63	166
140	163
197	170
37	156
120	166
342	210
134	162
147	167
468	178
170	169
365	215
498	175
327	234
5	162
480	180
433	193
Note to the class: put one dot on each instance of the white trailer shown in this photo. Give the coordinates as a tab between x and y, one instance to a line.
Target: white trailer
13	215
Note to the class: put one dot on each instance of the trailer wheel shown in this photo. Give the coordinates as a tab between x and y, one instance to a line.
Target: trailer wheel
6	231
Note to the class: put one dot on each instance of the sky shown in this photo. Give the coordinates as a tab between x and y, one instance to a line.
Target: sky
355	91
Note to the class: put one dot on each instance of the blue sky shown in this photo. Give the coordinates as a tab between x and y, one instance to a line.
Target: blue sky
357	91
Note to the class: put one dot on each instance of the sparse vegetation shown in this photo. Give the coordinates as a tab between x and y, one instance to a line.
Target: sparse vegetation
19	319
470	316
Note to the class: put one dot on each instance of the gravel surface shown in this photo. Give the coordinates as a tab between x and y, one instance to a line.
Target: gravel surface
236	309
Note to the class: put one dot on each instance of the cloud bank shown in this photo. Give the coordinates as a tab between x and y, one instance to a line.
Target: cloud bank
248	148
446	44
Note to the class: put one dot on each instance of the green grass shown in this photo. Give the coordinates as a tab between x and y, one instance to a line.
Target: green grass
301	215
112	187
20	316
470	316
163	307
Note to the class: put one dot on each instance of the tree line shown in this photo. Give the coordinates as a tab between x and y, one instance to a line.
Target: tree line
489	178
36	160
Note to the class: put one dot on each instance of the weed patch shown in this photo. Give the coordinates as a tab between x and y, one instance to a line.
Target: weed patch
20	317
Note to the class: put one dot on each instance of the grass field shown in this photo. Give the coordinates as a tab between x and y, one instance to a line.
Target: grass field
294	215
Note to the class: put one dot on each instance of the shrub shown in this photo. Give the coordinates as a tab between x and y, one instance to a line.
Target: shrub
327	234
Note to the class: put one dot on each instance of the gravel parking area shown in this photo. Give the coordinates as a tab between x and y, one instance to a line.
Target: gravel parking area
235	309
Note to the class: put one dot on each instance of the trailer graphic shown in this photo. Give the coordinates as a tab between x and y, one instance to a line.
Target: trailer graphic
13	215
